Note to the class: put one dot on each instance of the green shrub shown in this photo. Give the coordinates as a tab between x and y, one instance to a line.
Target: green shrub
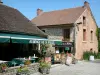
98	55
3	67
44	65
87	54
23	70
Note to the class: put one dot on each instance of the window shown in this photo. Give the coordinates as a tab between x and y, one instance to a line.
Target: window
43	30
91	49
91	35
84	34
84	20
66	34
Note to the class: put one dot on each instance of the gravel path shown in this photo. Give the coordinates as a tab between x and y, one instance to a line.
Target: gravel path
81	68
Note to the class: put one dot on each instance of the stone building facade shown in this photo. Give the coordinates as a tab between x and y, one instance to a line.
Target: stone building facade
81	23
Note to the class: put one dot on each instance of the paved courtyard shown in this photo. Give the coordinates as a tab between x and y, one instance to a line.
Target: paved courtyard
81	68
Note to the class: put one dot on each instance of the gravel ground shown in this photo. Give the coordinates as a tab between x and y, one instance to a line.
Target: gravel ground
81	68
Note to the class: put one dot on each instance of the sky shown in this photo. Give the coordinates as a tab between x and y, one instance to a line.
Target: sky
29	7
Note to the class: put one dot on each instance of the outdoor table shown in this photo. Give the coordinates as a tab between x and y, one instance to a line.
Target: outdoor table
34	58
1	61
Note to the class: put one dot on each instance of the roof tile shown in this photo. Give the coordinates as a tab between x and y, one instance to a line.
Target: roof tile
11	20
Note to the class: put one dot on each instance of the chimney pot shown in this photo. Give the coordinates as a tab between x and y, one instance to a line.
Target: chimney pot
39	11
86	5
1	2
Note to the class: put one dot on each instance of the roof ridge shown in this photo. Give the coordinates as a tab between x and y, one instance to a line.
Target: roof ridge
7	6
63	9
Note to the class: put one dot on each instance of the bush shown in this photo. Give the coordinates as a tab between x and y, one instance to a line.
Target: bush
27	62
3	67
98	55
22	70
87	54
44	65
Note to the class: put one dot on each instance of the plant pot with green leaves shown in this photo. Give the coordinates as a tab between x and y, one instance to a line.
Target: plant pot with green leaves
23	70
3	67
45	67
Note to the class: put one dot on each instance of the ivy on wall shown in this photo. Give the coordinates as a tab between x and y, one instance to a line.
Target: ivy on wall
98	37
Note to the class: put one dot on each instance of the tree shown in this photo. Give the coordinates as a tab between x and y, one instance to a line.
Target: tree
98	37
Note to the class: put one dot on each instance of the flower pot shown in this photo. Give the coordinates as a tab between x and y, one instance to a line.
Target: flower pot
91	58
45	70
48	71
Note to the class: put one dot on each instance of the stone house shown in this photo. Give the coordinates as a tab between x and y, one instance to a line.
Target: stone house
75	25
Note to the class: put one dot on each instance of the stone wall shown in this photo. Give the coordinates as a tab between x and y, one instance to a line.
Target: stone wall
33	68
56	34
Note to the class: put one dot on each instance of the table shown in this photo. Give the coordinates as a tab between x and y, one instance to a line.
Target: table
34	58
1	61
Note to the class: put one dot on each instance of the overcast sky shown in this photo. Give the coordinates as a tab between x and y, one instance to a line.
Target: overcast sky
29	7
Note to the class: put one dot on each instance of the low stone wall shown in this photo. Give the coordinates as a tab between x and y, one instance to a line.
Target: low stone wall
33	68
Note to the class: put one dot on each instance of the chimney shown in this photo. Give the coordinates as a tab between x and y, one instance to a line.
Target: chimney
1	2
86	5
39	11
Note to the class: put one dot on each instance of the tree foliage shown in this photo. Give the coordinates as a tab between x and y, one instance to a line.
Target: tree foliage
98	37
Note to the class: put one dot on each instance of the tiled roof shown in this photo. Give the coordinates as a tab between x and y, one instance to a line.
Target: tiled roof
58	17
11	20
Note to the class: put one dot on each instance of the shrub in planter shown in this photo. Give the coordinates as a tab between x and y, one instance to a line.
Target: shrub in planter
23	70
3	67
44	67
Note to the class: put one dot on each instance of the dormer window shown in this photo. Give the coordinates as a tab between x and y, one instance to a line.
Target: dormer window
84	21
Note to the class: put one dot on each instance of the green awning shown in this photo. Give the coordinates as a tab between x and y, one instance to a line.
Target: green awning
4	39
58	42
16	38
63	44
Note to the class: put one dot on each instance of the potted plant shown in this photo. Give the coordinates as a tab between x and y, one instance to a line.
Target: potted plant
22	70
45	67
27	62
3	67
